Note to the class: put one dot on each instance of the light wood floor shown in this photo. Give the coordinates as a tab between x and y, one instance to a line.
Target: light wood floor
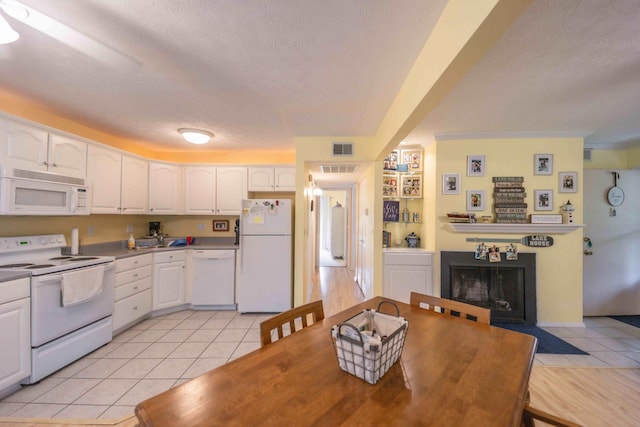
593	397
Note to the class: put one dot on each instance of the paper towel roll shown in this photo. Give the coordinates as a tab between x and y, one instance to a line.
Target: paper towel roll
75	242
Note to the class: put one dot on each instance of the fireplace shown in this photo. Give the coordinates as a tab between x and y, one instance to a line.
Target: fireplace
508	288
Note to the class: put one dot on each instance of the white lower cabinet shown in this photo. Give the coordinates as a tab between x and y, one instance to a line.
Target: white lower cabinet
407	270
133	290
15	332
168	279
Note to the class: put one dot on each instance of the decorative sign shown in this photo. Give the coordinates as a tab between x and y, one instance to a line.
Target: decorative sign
537	241
391	211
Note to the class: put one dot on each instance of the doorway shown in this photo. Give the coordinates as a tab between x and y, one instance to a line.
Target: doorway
333	228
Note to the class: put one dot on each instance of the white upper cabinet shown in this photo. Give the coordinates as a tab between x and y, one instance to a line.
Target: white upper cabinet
28	147
200	190
104	167
272	179
285	178
231	188
261	179
135	185
67	156
118	182
165	183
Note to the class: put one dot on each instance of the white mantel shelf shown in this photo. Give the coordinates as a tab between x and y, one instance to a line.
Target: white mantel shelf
514	228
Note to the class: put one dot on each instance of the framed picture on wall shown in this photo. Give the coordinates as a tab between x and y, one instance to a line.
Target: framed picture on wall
411	186
391	161
221	224
450	183
475	200
390	185
413	159
543	200
543	164
476	166
567	182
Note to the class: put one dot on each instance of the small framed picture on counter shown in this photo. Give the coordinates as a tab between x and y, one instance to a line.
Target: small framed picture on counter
220	225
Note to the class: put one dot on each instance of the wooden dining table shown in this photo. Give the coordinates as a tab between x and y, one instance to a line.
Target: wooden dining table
453	372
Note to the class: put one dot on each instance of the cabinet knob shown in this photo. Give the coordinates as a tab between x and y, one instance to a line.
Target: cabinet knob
45	163
55	165
135	275
135	288
135	308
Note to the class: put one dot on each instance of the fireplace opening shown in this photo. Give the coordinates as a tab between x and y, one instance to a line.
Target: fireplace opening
507	288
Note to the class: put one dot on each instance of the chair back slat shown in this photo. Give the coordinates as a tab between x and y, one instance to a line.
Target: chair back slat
300	314
451	308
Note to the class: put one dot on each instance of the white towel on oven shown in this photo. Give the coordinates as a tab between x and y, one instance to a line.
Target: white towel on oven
81	285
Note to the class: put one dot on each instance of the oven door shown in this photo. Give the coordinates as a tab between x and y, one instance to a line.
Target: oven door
51	320
33	197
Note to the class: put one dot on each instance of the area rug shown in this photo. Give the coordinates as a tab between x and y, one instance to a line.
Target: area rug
629	320
547	343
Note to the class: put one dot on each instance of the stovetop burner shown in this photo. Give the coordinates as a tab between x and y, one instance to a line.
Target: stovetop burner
16	265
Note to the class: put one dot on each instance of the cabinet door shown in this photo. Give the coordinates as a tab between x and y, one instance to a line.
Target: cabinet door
15	336
164	188
260	179
168	285
103	175
67	156
231	188
285	179
22	146
200	190
135	179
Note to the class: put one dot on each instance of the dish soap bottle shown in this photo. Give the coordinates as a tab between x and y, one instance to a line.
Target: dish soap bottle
131	244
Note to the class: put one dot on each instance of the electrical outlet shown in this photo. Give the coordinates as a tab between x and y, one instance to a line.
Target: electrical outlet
129	228
91	230
200	227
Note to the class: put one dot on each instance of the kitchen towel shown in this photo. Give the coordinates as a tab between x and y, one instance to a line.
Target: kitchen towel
75	241
81	285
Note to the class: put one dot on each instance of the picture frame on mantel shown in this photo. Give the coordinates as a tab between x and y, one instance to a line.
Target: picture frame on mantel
476	166
543	164
475	200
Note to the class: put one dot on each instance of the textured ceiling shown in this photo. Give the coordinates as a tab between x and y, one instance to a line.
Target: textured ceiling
568	67
259	72
254	72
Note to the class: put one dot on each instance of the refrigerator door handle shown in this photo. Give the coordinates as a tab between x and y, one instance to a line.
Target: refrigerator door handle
241	253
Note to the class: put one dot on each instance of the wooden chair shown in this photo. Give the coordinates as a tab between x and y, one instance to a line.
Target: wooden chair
301	313
529	414
450	307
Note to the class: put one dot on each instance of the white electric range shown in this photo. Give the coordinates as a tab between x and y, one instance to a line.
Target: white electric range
71	299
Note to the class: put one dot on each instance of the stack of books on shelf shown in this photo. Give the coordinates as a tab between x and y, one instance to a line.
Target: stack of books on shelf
508	200
386	239
462	218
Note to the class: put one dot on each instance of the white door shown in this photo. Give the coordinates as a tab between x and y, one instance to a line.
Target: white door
260	179
164	188
23	146
168	284
612	274
67	156
285	179
231	189
200	190
135	179
15	352
104	177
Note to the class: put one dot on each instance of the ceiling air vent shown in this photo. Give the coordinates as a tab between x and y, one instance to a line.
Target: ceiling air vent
338	168
586	154
342	149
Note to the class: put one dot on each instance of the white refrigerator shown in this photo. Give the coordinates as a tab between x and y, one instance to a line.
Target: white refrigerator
264	261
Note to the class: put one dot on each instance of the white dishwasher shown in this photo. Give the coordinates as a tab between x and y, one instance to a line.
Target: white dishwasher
212	278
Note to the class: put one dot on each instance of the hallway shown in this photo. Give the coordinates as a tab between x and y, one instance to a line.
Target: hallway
337	289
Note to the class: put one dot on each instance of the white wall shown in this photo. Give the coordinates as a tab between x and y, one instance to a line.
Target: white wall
612	274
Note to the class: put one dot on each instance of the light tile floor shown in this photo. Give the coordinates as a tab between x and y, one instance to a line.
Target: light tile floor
151	357
165	351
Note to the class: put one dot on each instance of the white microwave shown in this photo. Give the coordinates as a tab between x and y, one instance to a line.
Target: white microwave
24	192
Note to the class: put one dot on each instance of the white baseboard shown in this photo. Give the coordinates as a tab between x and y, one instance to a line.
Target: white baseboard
561	325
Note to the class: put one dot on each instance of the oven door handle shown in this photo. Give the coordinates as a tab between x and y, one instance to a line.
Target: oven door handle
46	279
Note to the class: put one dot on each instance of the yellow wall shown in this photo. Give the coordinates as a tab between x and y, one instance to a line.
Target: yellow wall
559	268
628	158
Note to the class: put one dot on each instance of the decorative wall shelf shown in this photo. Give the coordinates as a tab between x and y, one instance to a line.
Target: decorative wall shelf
514	228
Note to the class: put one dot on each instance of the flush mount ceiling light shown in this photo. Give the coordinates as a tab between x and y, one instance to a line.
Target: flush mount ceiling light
196	136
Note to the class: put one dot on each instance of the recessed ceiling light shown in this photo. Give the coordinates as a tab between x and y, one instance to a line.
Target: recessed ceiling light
196	136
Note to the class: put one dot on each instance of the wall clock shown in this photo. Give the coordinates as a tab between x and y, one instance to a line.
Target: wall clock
615	195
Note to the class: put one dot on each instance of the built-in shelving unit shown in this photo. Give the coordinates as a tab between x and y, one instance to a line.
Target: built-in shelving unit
514	228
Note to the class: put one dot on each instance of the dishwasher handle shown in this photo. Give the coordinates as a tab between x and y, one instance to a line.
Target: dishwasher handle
213	254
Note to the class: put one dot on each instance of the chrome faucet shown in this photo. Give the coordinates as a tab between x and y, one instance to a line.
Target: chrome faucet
160	238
